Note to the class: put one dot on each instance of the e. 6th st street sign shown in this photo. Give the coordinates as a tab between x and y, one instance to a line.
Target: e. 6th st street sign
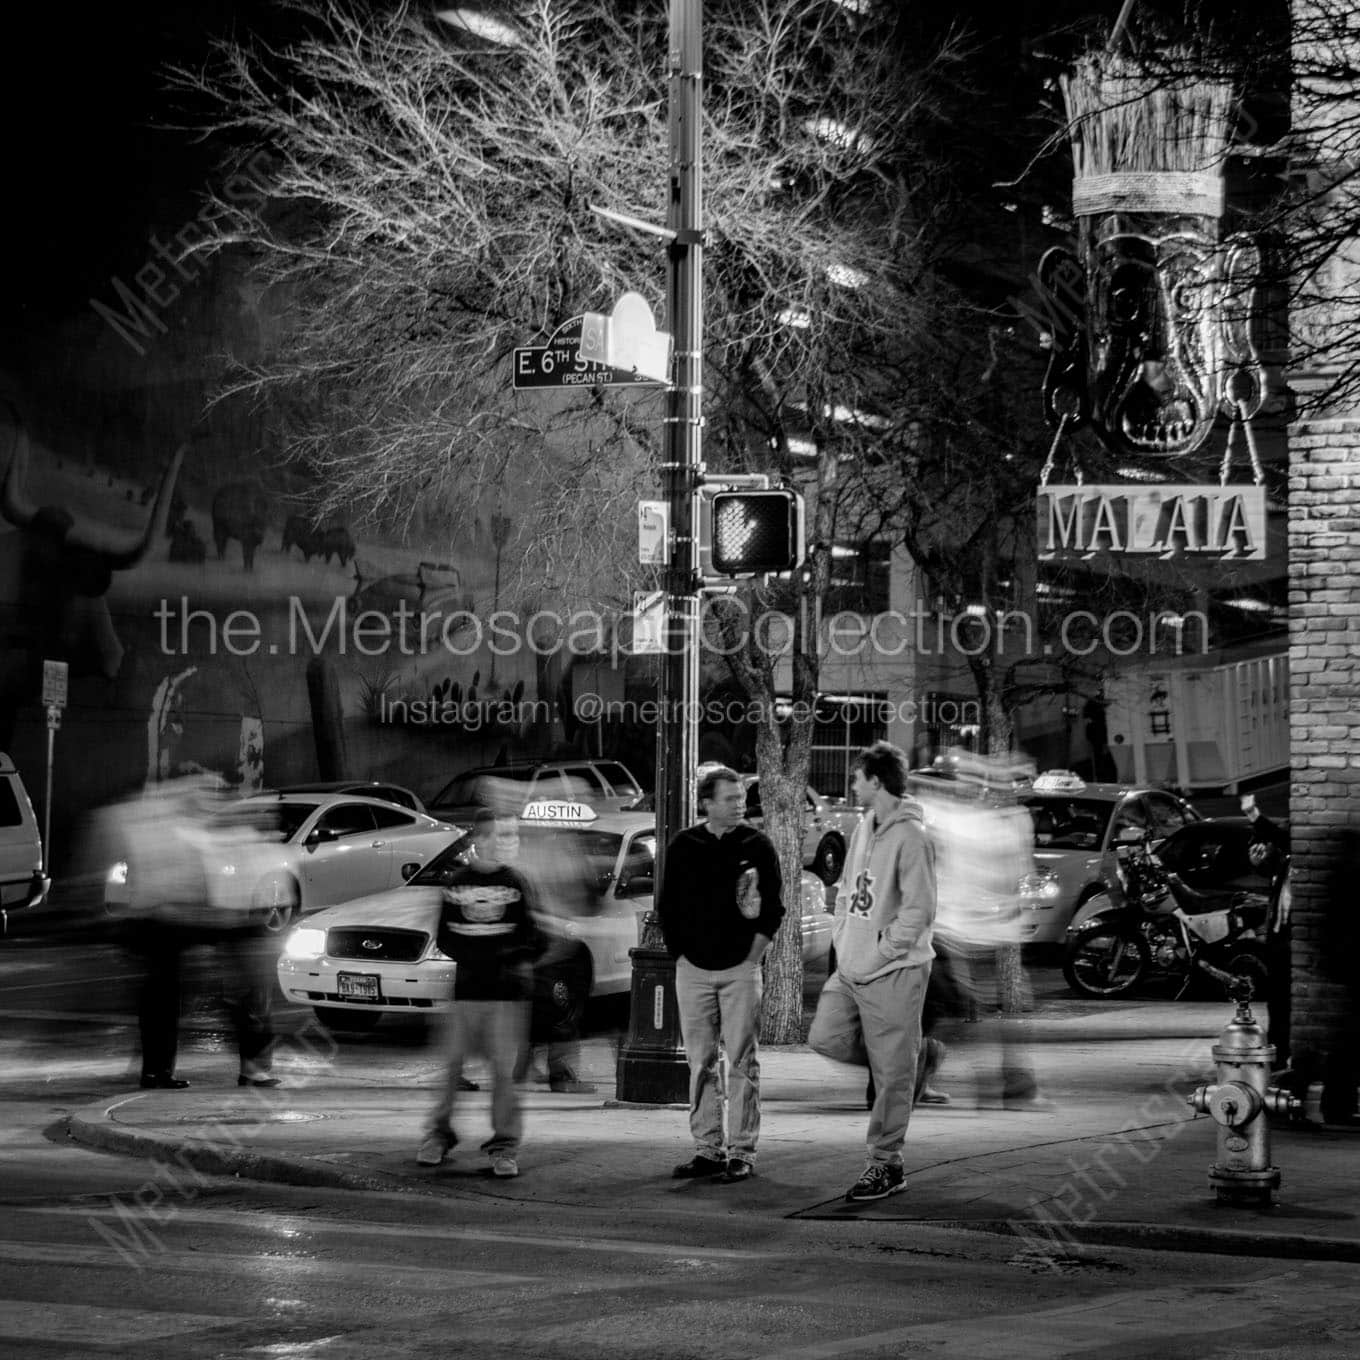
560	363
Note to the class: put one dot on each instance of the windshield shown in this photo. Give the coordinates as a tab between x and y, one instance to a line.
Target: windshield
1068	823
565	866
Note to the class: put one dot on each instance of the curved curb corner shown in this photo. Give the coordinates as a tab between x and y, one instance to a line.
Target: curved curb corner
211	1159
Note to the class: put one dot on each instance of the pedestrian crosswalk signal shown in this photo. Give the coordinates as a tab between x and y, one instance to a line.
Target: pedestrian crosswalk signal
756	533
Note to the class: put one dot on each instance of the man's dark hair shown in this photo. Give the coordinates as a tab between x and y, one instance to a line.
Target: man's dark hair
886	763
483	818
708	782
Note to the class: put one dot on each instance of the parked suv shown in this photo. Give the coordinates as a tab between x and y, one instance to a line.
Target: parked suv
605	785
22	881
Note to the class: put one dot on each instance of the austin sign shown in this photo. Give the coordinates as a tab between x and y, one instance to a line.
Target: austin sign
1226	522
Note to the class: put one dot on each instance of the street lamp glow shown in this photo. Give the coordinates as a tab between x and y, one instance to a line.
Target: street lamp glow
848	415
795	317
843	276
482	25
802	448
839	134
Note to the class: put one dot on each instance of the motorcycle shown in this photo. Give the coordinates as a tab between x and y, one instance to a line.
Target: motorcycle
1154	925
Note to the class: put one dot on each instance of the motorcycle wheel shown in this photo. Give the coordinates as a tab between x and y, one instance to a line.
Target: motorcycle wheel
1105	961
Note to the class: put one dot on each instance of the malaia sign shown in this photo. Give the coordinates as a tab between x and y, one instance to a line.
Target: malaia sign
1169	521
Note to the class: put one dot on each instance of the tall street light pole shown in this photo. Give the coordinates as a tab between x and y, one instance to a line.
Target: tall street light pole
677	745
652	1068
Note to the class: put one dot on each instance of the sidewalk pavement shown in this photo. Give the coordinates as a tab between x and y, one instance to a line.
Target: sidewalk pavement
1112	1156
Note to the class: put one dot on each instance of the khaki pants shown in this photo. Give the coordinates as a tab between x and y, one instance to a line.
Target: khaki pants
877	1024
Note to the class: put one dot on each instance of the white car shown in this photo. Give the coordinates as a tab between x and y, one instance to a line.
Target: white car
593	873
280	856
23	883
827	828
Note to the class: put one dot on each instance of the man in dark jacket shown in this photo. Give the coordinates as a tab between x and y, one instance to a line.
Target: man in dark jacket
720	907
486	928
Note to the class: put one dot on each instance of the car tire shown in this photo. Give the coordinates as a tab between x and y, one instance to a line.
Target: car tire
829	860
1105	961
275	905
561	996
343	1020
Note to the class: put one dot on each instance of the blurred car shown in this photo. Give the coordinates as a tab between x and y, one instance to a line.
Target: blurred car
1076	829
605	785
593	876
827	828
22	881
279	856
365	788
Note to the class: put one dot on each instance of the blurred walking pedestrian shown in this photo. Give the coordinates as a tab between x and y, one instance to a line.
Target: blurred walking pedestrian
719	908
869	1011
983	849
486	927
565	891
174	840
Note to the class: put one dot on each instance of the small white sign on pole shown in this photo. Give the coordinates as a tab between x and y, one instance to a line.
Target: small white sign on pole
649	622
654	533
54	683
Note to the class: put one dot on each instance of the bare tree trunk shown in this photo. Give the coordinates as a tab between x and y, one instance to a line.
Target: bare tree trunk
782	1018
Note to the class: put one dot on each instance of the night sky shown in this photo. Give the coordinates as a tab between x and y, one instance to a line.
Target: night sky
90	176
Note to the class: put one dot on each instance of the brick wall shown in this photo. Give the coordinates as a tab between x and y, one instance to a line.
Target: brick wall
1324	599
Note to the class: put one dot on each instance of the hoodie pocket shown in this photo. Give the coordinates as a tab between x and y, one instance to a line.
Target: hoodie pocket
858	956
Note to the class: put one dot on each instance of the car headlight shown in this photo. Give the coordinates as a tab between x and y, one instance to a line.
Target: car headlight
305	943
118	873
1041	883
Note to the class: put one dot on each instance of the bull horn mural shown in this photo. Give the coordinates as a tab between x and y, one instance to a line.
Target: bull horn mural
118	549
55	573
1151	316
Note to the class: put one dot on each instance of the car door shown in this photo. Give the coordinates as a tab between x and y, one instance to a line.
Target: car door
344	855
412	841
631	897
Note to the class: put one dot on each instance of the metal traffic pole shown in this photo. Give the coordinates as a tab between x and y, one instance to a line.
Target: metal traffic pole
651	1066
677	735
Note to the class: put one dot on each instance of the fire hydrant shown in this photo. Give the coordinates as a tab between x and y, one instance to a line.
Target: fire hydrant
1241	1101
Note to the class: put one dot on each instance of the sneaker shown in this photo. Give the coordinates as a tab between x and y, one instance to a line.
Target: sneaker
698	1166
737	1170
433	1150
504	1165
880	1179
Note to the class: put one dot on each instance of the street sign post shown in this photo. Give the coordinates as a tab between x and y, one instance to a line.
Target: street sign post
654	533
55	677
649	623
562	363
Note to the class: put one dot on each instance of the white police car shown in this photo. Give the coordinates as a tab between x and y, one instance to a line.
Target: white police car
593	877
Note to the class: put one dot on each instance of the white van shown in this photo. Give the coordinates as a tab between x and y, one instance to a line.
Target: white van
22	881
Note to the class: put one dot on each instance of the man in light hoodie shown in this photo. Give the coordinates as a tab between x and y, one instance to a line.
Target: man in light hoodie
870	1009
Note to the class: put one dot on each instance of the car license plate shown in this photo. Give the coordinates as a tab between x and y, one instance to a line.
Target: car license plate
359	986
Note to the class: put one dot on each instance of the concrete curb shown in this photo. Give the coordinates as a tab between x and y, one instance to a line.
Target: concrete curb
104	1135
94	1128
